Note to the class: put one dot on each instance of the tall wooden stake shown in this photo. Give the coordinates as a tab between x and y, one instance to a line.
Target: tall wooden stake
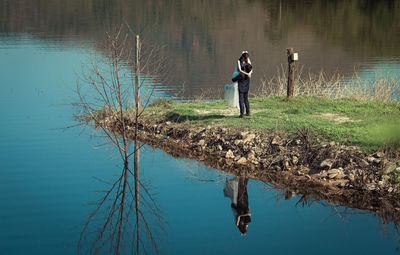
291	66
137	143
137	78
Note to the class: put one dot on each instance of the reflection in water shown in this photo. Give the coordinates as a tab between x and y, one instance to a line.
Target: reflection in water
236	190
388	222
126	220
332	35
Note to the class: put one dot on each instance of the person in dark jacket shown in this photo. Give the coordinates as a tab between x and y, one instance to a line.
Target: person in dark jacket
243	86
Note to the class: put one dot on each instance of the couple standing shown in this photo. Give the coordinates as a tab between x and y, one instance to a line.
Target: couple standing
241	79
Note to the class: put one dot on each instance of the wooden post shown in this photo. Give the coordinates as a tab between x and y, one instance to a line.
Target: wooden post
137	143
137	105
291	66
137	75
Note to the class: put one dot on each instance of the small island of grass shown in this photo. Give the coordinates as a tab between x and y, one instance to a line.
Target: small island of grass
367	124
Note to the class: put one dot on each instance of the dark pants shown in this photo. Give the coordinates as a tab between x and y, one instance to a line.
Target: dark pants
244	102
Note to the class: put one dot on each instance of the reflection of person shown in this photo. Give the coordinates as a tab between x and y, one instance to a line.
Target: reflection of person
236	190
243	87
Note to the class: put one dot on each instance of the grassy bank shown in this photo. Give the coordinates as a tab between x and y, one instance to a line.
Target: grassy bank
369	125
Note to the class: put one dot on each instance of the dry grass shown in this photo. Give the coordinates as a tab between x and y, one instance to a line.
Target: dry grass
384	88
336	117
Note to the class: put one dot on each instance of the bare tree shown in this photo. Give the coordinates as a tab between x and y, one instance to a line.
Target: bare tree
109	97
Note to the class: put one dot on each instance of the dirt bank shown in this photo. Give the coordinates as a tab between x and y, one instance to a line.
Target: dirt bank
302	164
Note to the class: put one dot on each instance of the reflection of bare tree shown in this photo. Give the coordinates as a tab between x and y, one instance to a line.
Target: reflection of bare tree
109	91
124	220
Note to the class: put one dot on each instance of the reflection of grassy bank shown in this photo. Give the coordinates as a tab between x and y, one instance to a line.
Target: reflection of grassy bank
370	125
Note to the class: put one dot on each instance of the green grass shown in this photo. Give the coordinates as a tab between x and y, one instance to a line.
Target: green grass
370	125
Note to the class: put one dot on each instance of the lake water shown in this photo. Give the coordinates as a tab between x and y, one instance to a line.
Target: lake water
51	177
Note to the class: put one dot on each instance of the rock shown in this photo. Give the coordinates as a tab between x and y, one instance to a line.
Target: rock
276	141
385	178
168	123
238	141
229	161
286	164
202	142
379	154
327	163
229	154
243	134
251	156
242	161
295	160
332	176
370	186
370	159
249	137
335	173
390	167
363	163
377	161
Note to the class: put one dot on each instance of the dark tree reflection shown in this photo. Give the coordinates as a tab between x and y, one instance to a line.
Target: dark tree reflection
126	220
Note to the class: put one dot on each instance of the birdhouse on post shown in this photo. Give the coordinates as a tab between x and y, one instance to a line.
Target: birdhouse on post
292	57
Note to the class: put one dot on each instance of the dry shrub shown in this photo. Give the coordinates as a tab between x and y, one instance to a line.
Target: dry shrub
382	88
209	94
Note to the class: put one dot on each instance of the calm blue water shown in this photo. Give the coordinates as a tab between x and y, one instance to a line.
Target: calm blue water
47	184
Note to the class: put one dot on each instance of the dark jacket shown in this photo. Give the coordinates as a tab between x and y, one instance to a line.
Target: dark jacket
243	82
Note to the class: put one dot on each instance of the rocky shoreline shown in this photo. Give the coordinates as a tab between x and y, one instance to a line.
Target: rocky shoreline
302	164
